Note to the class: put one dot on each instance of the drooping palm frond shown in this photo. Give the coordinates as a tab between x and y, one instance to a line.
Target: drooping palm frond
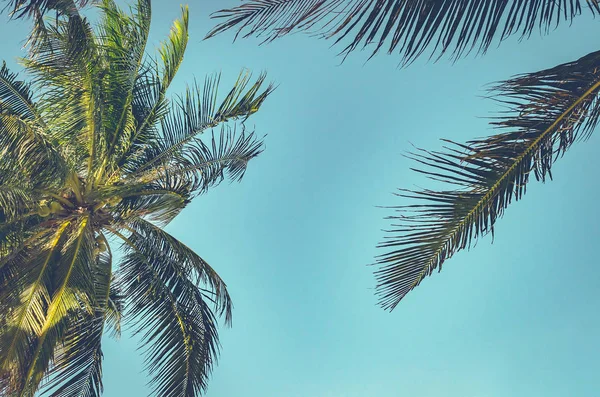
551	109
25	294
68	296
408	27
169	310
195	267
77	365
115	309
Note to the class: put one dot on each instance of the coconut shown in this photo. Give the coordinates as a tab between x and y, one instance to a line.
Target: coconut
43	210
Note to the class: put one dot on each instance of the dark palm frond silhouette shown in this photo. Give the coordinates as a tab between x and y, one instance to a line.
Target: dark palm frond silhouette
550	110
407	27
96	157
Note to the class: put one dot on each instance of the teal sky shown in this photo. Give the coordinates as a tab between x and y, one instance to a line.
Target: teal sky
518	317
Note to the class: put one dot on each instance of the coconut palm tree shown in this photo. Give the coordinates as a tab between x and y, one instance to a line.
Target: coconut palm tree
549	111
96	158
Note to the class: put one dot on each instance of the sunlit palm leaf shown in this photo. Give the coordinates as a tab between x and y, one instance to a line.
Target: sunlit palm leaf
77	366
407	27
551	109
74	272
25	294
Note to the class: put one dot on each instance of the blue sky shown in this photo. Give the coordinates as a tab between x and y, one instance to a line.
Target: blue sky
518	317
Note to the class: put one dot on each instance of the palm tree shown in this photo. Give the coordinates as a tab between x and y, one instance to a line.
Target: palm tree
549	110
96	158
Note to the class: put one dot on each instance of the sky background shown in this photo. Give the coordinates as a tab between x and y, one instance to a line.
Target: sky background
518	317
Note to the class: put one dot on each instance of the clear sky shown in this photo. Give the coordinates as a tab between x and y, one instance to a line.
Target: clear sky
518	317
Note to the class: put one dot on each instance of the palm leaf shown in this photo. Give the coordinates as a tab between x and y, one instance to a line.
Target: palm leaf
171	52
30	296
551	109
197	112
14	203
169	311
77	369
24	136
124	40
77	366
407	27
22	8
201	273
16	96
73	271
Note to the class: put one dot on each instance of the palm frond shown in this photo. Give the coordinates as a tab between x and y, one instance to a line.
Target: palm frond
14	202
551	109
74	272
25	294
115	308
200	272
171	52
23	8
207	166
66	70
16	95
124	39
407	27
24	138
197	112
158	203
77	365
177	326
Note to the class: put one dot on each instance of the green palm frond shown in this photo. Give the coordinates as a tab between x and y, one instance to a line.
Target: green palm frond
16	96
124	39
77	365
407	27
158	78
198	166
14	203
197	268
26	295
24	135
67	72
73	271
194	114
169	311
115	308
551	109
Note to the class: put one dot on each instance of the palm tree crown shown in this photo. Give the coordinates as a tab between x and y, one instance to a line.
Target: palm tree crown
94	152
